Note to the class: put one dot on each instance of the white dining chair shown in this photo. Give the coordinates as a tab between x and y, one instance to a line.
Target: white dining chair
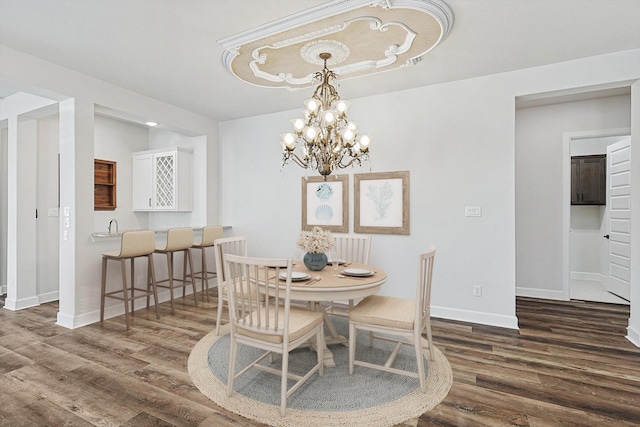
229	245
270	324
351	248
396	317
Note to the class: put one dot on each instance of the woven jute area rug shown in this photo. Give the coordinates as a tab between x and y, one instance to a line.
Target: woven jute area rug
367	398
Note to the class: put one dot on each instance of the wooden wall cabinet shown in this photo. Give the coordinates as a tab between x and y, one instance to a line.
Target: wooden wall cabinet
104	185
163	180
588	180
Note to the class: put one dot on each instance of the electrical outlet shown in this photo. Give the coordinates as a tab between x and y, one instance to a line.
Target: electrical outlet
477	291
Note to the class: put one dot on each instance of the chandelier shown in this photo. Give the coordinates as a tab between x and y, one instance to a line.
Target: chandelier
326	139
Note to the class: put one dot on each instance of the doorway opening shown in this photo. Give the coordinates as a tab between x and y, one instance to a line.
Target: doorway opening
29	146
596	244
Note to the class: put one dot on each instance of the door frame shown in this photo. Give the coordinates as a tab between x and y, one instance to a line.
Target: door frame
567	138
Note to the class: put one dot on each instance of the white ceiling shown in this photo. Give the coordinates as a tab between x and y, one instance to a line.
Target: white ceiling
168	50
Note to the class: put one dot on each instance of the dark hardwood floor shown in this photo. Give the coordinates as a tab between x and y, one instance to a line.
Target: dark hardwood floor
568	365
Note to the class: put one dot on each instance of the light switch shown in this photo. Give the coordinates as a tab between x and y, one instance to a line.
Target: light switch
52	211
472	211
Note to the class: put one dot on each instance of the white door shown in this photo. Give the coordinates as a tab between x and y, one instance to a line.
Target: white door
619	214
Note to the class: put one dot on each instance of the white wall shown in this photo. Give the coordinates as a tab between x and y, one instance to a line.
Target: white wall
3	208
46	175
457	140
586	242
539	197
447	146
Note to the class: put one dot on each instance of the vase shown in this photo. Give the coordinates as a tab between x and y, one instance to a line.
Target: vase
315	261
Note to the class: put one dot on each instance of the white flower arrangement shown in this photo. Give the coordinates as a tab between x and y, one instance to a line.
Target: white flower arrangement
315	241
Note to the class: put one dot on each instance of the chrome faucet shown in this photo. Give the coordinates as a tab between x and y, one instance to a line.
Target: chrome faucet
112	221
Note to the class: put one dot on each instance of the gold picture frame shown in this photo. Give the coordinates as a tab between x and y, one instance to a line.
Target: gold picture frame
381	202
326	203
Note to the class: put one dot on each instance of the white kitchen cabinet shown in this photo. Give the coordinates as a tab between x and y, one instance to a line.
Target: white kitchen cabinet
162	180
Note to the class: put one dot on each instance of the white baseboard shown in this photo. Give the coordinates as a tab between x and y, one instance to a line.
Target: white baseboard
540	293
490	319
116	309
583	275
48	297
13	304
66	321
633	336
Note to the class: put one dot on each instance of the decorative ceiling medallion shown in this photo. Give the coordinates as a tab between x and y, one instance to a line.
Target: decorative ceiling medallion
311	51
363	37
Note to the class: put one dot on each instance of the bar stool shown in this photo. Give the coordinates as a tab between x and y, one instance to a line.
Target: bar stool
209	234
178	240
135	244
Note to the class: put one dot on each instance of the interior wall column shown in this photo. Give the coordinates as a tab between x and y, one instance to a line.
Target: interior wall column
76	202
21	250
21	256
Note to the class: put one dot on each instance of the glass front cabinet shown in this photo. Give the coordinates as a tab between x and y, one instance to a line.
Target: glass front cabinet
162	180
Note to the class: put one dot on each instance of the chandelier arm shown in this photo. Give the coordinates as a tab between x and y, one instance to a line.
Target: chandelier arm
288	156
353	160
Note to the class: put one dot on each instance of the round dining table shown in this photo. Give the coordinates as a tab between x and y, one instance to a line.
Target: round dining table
335	284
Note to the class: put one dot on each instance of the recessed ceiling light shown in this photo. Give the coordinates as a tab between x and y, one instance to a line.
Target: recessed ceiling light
151	124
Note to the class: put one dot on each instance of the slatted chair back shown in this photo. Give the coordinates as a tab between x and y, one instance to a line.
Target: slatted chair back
229	245
248	280
353	247
423	289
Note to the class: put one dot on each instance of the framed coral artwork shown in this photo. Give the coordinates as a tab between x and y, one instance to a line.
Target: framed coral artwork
381	202
326	203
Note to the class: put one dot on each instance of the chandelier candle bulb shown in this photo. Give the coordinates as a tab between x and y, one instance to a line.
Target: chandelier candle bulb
329	117
298	125
348	135
364	142
311	105
325	137
288	141
343	106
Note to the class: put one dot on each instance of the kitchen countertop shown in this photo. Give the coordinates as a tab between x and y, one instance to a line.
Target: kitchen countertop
107	235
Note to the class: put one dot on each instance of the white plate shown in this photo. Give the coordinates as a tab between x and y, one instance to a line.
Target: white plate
295	276
356	272
340	261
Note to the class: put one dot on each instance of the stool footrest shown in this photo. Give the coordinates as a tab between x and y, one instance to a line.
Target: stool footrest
182	283
129	296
